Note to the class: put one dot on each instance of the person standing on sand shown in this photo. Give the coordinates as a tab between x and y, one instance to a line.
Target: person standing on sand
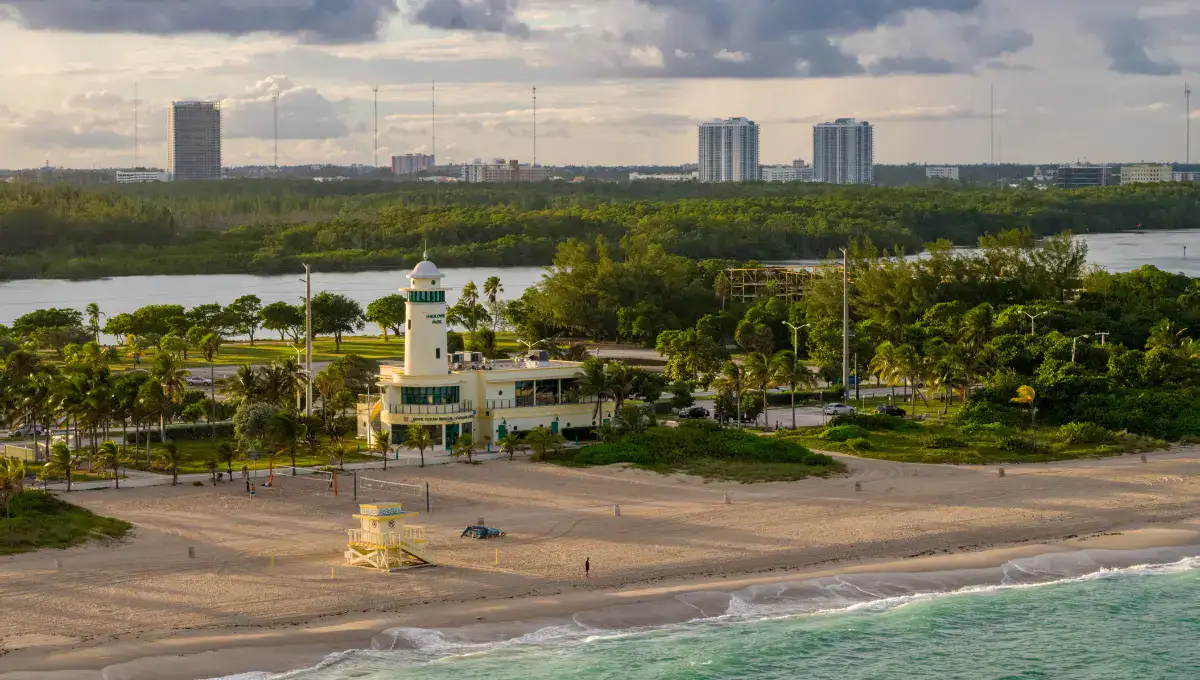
587	567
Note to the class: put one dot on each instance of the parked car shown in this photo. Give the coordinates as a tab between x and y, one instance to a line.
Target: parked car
838	409
693	412
197	381
891	410
34	430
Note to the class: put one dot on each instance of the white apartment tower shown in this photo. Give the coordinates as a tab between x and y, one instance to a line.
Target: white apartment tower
844	152
729	151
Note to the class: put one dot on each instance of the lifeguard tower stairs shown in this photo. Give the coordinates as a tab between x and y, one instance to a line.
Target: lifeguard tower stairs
384	540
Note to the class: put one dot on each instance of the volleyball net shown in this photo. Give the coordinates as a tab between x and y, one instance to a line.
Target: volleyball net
304	480
368	488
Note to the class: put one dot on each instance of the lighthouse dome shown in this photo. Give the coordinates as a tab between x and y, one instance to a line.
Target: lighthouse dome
426	270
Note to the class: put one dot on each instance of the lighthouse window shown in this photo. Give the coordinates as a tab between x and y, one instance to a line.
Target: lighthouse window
427	296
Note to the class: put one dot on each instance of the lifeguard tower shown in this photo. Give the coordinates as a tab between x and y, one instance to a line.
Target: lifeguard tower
384	541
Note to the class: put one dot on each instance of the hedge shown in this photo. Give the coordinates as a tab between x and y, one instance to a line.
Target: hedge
183	433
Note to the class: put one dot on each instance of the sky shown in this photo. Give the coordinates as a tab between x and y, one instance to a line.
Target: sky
619	82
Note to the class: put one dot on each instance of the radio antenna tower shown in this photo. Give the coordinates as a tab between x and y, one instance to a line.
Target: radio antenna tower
992	127
535	127
275	111
136	150
375	89
433	120
1187	114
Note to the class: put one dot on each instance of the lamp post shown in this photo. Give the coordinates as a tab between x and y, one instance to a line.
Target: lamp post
1032	318
1103	337
795	341
845	321
1074	342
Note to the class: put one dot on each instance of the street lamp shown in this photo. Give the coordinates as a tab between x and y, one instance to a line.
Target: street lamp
795	342
845	322
1103	337
1075	340
1033	317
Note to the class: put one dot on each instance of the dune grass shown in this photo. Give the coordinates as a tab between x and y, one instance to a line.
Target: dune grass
41	520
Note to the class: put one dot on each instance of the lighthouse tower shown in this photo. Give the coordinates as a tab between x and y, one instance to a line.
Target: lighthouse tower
425	330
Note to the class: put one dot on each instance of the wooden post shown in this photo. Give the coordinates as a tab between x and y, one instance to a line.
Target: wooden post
356	485
727	500
191	551
1001	472
858	486
335	485
427	508
617	510
272	561
1143	458
497	557
331	572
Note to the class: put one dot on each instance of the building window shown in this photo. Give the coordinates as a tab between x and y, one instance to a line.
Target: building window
429	395
437	352
427	296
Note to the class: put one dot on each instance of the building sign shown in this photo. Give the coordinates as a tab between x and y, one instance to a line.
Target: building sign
437	419
437	319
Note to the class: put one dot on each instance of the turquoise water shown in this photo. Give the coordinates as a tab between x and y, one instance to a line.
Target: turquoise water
1137	622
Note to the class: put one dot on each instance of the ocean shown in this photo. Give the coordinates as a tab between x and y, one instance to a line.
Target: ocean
1089	615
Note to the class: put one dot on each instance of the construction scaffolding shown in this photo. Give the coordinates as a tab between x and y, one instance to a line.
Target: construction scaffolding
786	283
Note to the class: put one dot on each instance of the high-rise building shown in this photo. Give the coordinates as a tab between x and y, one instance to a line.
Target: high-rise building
729	151
1083	175
844	152
411	163
194	141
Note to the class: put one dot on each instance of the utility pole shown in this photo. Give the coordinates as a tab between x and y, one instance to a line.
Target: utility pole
375	89
534	127
1103	337
1187	115
845	323
1074	342
136	140
275	111
308	340
433	120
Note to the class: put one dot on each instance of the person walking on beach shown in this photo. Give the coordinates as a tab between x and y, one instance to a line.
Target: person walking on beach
587	567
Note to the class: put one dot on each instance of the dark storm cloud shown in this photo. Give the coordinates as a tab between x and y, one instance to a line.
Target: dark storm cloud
1125	45
780	37
489	16
317	21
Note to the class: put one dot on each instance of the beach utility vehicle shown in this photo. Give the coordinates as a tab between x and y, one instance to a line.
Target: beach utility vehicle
481	532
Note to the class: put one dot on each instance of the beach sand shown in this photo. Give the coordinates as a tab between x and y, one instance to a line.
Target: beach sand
266	589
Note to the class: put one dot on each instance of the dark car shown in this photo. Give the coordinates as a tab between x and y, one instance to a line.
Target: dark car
891	410
693	412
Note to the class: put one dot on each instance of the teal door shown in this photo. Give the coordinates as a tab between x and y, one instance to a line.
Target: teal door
502	431
451	436
554	427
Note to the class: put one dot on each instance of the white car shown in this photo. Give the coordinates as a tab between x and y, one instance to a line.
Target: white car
198	381
838	409
28	430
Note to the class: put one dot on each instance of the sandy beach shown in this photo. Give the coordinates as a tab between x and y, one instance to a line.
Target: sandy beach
266	589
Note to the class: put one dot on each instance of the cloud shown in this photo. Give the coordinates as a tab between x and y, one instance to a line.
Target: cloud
921	65
304	113
488	16
320	21
926	114
1125	45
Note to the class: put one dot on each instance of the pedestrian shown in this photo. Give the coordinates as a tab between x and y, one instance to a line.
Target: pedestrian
252	491
587	567
246	476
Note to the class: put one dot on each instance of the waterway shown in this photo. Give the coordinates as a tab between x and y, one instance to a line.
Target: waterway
1173	251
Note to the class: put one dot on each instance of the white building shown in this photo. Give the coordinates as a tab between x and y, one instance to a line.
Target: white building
1185	176
942	172
453	395
411	163
663	177
501	171
1147	173
844	152
788	173
136	176
729	151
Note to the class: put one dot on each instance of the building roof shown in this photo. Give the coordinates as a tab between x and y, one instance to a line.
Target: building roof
426	270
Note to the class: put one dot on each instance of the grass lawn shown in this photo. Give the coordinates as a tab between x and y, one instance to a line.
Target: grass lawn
40	520
196	454
939	442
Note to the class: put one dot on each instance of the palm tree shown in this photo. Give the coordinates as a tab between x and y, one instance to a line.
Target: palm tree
1190	348
110	457
621	381
595	384
381	443
227	453
465	446
282	381
491	290
170	374
732	381
60	463
885	364
419	438
210	347
510	444
691	355
171	458
135	349
542	441
285	431
93	314
247	384
213	465
12	482
338	452
1165	334
788	371
759	374
910	364
329	383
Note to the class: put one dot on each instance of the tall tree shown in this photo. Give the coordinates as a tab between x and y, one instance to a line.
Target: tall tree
389	313
243	315
170	375
335	314
417	437
787	370
491	291
93	314
285	319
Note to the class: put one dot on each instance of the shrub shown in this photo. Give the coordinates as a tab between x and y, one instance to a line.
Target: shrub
979	412
183	433
943	442
841	433
668	446
784	398
993	429
876	422
1018	445
1084	433
858	444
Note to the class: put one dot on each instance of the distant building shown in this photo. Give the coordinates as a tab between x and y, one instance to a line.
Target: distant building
788	173
194	141
1146	173
1185	176
137	176
500	171
411	163
729	151
942	172
1082	175
844	152
664	177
